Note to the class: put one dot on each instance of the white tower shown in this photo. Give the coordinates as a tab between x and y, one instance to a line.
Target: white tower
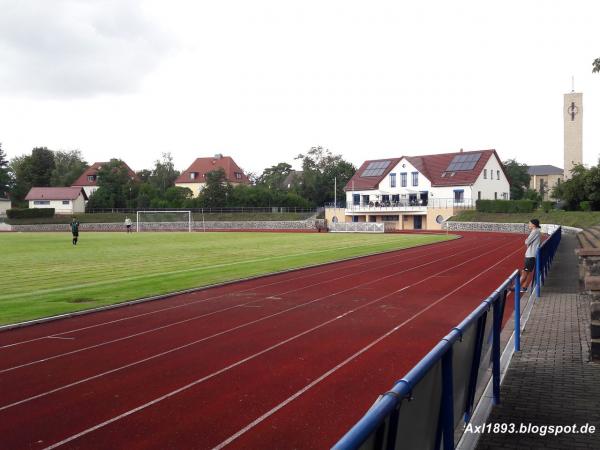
573	131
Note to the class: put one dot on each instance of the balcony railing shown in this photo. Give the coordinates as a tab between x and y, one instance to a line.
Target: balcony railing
411	205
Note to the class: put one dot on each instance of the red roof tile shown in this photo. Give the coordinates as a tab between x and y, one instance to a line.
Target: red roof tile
55	193
433	167
93	171
201	166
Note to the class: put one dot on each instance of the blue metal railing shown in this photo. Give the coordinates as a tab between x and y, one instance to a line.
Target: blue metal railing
441	388
544	258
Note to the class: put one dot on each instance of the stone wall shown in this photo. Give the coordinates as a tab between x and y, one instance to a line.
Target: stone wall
299	225
503	227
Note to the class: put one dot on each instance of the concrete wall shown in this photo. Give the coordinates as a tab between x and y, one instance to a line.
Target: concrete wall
300	225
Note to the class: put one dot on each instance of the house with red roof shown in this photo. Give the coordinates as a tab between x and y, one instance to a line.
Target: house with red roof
64	200
420	192
88	180
194	177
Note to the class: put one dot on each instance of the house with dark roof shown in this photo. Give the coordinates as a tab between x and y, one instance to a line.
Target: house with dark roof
88	180
420	192
544	178
194	177
64	200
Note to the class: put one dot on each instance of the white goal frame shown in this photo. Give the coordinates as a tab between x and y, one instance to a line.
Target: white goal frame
189	218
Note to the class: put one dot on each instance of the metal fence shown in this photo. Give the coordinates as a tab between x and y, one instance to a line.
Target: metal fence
424	408
245	209
357	227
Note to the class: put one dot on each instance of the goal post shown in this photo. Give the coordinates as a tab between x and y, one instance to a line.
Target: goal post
156	220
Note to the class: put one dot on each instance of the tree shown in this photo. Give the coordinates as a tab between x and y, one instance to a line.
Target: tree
116	185
517	177
28	171
68	166
584	185
217	189
273	177
5	178
164	174
41	166
596	65
320	168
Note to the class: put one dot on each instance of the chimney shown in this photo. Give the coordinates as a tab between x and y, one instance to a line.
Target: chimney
218	156
461	150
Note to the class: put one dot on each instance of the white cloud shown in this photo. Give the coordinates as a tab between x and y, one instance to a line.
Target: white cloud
77	48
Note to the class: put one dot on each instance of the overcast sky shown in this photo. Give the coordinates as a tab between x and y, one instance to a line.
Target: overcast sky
263	81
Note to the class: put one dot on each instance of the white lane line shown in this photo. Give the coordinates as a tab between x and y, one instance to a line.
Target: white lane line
363	263
112	341
60	337
202	340
272	411
251	357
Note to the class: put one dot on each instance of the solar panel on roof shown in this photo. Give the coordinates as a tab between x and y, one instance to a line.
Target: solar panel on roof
463	162
375	168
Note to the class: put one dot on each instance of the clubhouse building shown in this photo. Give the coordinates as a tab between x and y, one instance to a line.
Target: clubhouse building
420	192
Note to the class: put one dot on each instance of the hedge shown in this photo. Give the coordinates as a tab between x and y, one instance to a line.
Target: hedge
505	206
547	206
29	213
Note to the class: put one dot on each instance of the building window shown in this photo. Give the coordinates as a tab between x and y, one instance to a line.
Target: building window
389	218
354	218
91	177
66	202
485	174
385	200
372	218
495	196
459	196
392	180
41	202
504	196
415	178
238	176
192	175
365	199
403	179
356	199
497	174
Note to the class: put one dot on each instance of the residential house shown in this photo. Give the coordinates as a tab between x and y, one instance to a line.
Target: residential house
4	206
544	178
88	180
194	177
420	192
64	200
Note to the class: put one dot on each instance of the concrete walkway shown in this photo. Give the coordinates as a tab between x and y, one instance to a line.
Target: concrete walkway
551	381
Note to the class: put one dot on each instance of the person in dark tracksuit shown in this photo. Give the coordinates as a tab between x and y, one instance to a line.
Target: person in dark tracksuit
75	230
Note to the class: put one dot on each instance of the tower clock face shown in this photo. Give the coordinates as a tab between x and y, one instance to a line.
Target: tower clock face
572	110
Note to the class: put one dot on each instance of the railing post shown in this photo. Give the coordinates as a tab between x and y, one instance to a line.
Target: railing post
518	313
538	274
447	401
496	351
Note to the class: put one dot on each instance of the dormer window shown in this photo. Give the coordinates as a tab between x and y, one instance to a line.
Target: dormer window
193	175
91	177
238	176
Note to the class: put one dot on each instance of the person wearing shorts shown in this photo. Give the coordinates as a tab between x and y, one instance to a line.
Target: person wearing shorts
532	244
128	224
75	230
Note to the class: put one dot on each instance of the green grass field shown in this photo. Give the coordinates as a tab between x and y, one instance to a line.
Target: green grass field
43	274
578	219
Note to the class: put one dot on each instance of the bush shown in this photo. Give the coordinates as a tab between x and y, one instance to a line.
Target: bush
29	213
585	206
547	206
505	206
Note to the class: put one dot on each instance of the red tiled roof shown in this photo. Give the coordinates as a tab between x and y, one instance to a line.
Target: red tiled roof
432	167
93	170
55	193
358	182
201	166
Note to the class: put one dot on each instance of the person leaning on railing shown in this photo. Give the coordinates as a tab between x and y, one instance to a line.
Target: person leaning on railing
532	244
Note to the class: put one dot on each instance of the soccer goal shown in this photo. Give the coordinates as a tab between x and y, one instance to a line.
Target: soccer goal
164	221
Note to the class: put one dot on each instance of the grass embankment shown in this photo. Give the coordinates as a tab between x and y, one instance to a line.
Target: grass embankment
579	219
120	217
44	274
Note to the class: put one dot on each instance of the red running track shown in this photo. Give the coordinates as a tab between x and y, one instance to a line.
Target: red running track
285	361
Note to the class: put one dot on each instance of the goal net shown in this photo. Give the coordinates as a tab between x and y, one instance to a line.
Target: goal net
164	221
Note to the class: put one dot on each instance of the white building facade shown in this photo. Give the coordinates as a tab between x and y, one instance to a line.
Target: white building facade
421	192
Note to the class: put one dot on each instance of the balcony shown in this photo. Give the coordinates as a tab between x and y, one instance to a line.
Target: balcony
409	206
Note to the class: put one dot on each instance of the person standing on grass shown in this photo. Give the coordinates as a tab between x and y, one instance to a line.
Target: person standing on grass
128	224
75	230
533	242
